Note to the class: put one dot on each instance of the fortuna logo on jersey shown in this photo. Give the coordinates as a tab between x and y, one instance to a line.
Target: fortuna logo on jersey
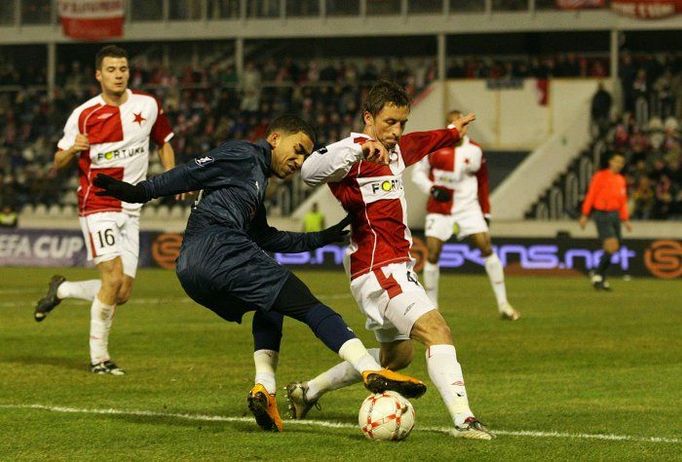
387	185
121	153
379	188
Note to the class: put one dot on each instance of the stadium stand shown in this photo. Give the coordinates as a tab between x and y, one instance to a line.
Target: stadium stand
208	101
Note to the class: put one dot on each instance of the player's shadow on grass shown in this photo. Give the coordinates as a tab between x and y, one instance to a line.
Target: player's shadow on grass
65	363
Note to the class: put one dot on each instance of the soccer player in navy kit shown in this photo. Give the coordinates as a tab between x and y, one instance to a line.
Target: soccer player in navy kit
223	265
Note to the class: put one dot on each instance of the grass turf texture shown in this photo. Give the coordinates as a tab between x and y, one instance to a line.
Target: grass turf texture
579	362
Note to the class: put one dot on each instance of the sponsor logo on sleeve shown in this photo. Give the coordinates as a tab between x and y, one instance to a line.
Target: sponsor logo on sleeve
204	161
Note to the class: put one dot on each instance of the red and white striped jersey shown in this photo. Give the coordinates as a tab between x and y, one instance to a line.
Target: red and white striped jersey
119	145
373	194
461	170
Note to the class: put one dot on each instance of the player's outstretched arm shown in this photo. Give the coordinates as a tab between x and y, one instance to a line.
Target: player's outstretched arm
273	240
332	163
416	145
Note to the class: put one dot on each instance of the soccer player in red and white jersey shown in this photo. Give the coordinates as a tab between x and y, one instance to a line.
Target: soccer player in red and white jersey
456	179
378	261
108	134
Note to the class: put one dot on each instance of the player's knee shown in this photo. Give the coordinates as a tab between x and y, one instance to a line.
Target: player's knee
398	362
433	257
486	250
431	329
123	296
440	334
611	246
113	282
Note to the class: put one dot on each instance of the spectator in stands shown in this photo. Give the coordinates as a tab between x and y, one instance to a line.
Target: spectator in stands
643	199
313	221
8	217
666	196
664	101
601	108
251	88
640	95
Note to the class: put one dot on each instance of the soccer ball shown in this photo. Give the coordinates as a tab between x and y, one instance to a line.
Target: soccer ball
386	416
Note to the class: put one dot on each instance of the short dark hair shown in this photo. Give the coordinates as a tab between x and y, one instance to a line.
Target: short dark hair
614	154
382	93
453	112
290	123
109	51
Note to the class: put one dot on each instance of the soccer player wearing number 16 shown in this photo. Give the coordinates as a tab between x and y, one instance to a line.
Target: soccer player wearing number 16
109	134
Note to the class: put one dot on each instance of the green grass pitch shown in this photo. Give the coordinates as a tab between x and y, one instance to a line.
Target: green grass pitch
582	376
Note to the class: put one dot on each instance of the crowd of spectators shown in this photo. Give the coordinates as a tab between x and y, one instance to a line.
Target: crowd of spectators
206	105
653	171
648	133
651	86
210	103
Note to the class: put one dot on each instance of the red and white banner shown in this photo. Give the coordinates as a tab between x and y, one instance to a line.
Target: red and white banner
647	9
92	19
579	4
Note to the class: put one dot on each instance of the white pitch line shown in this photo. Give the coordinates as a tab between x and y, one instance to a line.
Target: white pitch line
319	423
20	291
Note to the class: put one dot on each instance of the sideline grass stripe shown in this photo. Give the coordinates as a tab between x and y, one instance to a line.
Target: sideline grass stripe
319	423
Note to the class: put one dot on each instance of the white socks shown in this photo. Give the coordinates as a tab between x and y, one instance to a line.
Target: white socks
355	353
266	366
493	267
101	315
339	376
446	374
431	276
85	290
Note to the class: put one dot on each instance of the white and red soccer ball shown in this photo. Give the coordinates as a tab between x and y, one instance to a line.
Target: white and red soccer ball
386	416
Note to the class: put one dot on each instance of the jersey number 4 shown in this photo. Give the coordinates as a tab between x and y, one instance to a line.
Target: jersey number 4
412	278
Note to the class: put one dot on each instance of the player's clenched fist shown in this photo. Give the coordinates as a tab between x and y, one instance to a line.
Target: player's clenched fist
374	151
81	143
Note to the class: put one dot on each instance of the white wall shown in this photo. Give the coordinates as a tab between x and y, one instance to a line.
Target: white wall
518	191
513	118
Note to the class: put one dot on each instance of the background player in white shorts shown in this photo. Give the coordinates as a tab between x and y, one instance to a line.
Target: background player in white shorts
109	134
378	261
456	179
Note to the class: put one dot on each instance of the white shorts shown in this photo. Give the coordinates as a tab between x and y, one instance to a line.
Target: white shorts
392	299
461	224
112	234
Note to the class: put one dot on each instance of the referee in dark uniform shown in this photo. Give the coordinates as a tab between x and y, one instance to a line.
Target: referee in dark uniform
606	201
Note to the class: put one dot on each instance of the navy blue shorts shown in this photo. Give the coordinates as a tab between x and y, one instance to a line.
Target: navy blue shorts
608	224
229	274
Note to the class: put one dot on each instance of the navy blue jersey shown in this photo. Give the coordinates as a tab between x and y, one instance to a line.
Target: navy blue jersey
234	177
